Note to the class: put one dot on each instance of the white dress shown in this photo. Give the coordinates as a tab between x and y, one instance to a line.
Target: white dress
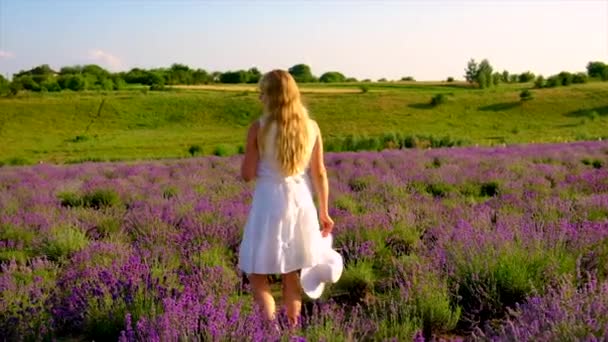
282	228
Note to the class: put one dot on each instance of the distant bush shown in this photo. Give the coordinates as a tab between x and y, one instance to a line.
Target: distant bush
222	151
450	79
407	79
539	82
526	77
439	99
553	81
100	198
579	77
410	142
332	77
598	70
194	150
565	78
526	95
364	88
157	87
489	189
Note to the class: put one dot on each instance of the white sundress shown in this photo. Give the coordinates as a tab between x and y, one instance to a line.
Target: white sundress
282	230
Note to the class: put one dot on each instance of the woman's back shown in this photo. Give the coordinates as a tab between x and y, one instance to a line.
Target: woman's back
268	165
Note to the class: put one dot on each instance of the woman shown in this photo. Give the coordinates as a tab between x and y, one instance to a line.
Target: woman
282	227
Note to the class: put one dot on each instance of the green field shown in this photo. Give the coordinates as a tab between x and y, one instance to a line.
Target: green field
140	124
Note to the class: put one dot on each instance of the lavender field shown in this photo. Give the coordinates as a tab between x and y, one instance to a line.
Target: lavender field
498	244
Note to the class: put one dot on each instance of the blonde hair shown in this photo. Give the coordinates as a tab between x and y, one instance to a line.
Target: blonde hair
282	106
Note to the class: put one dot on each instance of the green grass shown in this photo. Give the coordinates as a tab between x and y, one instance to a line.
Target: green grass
65	127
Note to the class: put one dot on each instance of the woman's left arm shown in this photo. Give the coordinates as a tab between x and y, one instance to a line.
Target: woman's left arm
249	167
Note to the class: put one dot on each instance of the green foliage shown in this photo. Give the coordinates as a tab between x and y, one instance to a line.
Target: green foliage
597	69
496	279
595	163
539	82
553	81
234	77
63	241
100	198
489	189
364	88
356	282
526	77
471	71
496	78
4	85
526	95
301	73
434	307
439	189
222	150
438	99
332	77
450	79
70	199
565	78
481	73
157	87
579	78
407	79
195	149
484	74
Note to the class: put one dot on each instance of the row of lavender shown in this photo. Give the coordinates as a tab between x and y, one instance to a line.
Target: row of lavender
488	243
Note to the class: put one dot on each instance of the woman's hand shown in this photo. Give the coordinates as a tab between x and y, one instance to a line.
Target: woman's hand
326	223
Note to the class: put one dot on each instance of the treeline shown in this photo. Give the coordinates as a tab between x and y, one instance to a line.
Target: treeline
483	75
93	77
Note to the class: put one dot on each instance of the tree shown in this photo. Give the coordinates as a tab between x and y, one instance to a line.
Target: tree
200	76
301	73
565	78
28	83
4	85
95	70
596	69
75	82
239	76
471	71
526	77
505	76
496	78
539	82
70	70
178	74
484	74
332	77
253	75
579	77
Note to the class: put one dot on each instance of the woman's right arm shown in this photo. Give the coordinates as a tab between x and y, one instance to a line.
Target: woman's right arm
320	183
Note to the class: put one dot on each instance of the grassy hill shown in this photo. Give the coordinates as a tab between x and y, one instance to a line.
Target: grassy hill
140	124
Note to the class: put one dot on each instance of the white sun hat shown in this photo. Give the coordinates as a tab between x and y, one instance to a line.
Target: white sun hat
328	270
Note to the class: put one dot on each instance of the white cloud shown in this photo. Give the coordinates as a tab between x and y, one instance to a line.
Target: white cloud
105	58
6	54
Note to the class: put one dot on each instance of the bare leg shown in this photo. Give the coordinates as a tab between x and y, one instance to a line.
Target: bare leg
292	297
262	295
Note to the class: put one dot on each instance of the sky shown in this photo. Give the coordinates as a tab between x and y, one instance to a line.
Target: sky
428	40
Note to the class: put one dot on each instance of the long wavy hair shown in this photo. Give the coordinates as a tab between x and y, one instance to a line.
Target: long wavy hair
282	106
